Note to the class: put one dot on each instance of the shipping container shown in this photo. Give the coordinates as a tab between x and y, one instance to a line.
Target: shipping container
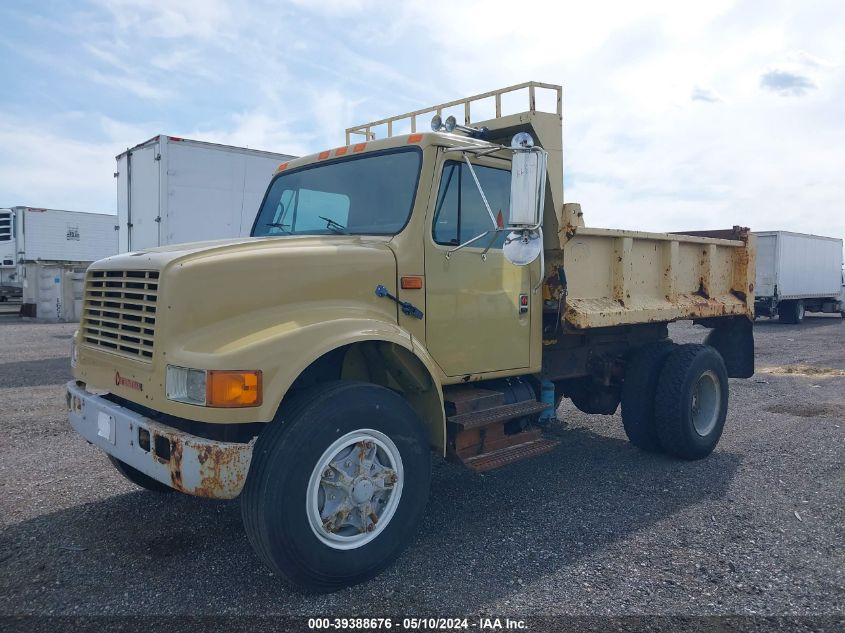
172	190
797	273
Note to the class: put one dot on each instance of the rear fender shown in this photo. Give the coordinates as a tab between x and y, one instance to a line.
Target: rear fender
734	340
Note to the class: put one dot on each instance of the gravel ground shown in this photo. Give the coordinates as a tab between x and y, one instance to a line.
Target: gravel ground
595	527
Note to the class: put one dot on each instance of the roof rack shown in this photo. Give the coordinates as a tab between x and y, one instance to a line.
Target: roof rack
365	129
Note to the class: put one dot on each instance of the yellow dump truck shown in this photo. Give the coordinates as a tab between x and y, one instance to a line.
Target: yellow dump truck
403	295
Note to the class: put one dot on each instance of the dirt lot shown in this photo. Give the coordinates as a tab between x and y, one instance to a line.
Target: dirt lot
594	527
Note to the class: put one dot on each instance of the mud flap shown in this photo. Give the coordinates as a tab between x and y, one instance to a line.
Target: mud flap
734	340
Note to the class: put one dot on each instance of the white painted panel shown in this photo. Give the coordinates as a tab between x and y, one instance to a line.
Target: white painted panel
122	203
55	235
766	265
44	289
214	191
204	193
809	266
144	198
798	265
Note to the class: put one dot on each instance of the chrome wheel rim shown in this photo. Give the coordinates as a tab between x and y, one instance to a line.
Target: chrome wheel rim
706	402
354	489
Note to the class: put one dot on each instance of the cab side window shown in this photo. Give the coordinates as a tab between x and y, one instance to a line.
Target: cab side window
460	213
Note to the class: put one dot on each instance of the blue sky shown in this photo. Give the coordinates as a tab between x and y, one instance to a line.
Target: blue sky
676	115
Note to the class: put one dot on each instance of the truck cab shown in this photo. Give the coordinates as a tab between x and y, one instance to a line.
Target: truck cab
417	293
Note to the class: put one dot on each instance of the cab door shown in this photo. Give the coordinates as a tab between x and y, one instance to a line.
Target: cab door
475	321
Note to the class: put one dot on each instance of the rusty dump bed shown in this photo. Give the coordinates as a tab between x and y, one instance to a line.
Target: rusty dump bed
619	277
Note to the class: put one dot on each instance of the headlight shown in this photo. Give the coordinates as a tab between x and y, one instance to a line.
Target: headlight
74	352
186	385
214	388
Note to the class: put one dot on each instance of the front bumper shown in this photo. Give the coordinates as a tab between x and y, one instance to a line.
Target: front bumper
188	463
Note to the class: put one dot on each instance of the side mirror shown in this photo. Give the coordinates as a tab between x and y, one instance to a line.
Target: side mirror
528	188
524	243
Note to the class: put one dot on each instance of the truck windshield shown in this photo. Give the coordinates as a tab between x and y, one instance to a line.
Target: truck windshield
369	194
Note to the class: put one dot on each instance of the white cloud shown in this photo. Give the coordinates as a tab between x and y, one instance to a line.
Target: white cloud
45	167
668	120
202	19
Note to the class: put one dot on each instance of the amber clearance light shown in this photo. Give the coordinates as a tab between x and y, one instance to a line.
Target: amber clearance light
233	388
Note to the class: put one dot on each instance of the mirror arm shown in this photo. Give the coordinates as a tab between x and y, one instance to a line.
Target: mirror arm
481	191
467	243
490	243
478	151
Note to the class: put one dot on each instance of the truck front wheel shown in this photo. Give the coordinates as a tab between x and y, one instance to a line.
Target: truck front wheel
692	401
337	485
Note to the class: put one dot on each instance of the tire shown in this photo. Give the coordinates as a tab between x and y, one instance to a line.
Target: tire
791	311
691	402
638	393
138	478
284	501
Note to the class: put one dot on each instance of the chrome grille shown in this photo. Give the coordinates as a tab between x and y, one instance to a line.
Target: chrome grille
120	311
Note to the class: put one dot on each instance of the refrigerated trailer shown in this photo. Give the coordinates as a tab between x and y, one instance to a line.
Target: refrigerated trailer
173	190
798	273
44	254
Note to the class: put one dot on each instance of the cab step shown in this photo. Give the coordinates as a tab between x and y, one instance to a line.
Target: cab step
485	433
502	413
505	456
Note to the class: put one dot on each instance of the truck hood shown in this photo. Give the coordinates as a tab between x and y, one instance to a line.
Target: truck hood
210	293
157	258
262	304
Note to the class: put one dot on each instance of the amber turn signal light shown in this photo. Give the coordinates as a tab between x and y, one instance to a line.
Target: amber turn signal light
412	283
233	388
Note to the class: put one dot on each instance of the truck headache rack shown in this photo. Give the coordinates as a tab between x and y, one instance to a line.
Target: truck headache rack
366	129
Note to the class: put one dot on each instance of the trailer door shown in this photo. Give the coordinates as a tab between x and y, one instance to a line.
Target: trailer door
766	265
139	225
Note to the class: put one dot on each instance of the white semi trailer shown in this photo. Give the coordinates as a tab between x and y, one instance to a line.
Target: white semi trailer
798	273
172	190
44	254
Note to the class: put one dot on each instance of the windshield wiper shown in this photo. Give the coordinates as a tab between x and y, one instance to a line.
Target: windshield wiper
337	227
279	225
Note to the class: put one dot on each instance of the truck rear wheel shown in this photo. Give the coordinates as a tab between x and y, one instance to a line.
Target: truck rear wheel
692	401
791	311
138	478
337	485
638	393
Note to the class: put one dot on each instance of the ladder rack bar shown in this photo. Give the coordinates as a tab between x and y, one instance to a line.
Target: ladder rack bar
366	128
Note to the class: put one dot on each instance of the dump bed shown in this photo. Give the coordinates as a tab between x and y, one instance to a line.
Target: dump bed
619	277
